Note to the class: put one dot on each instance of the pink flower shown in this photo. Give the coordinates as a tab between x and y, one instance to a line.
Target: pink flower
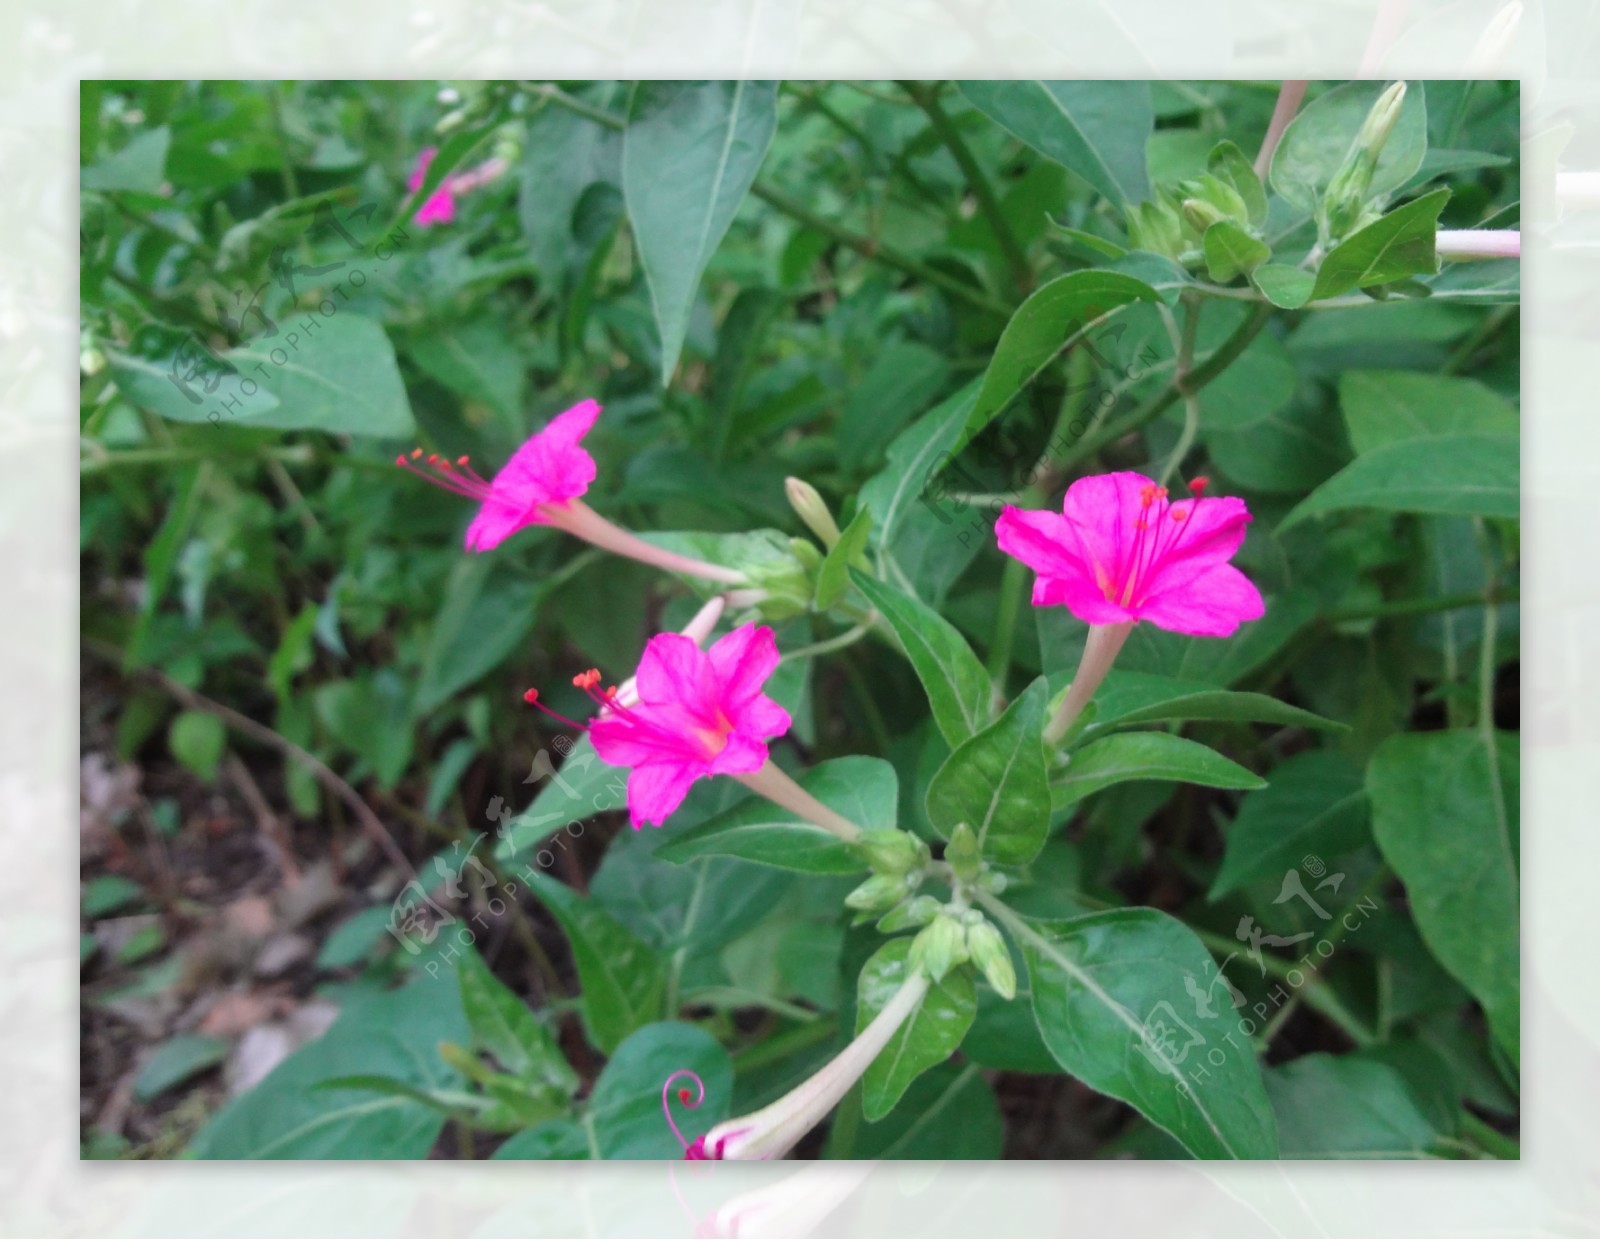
1120	552
545	473
440	208
691	713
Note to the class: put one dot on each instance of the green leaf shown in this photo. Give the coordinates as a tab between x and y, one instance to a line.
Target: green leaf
833	578
502	1025
1386	406
1445	815
176	376
1097	246
294	653
903	377
579	788
915	459
996	782
1037	333
1233	167
139	167
1331	1107
106	893
1448	475
564	155
1112	999
1286	287
864	790
1315	804
478	359
689	155
947	1113
958	688
1125	756
929	1036
1398	245
1096	129
340	378
355	938
625	1109
484	618
175	1061
553	1140
1129	697
1231	251
622	979
198	740
1314	146
393	1035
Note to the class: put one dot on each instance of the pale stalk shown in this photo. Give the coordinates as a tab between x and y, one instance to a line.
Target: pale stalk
1099	653
773	1131
772	783
1289	96
1467	244
581	521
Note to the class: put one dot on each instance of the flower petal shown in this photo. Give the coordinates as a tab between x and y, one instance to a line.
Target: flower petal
1081	597
739	756
676	673
762	717
1102	511
496	521
743	659
1213	604
550	468
1046	543
1211	531
656	789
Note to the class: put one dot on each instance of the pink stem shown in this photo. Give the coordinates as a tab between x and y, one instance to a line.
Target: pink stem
1289	96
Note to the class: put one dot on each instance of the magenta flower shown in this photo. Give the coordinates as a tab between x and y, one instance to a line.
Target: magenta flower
690	713
1120	552
440	208
540	485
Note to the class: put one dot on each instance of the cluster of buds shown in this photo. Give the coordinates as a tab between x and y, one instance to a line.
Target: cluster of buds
1177	219
1345	206
898	860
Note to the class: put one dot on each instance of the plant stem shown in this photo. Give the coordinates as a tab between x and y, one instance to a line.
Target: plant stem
1219	360
1489	1140
1289	96
1016	257
1013	585
833	643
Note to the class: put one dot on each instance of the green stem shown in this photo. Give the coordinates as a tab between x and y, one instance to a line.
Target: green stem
1489	1140
1221	358
831	644
294	454
1016	257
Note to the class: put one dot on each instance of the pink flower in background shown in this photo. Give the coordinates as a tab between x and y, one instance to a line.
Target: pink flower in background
542	476
440	208
691	713
1121	552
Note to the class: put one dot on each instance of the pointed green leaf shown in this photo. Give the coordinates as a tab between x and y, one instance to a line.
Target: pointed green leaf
958	688
622	979
502	1025
929	1036
864	790
1445	814
1385	406
1057	313
689	155
996	783
341	378
1398	245
1125	756
1129	697
1232	166
1112	996
1097	129
1345	1108
833	578
1449	475
1315	804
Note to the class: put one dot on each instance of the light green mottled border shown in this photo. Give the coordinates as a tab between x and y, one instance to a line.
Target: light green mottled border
46	1192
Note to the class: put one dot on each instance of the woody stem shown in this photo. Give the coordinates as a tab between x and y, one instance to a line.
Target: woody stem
772	783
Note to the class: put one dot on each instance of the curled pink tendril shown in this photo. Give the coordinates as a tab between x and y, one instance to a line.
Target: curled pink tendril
683	1097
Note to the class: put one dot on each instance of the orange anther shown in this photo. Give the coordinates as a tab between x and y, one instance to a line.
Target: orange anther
462	460
415	453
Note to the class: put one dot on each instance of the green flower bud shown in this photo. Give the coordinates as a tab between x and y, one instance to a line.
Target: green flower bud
1154	226
889	851
989	952
1200	214
962	853
908	916
1214	190
806	552
1346	196
879	893
940	947
993	882
810	508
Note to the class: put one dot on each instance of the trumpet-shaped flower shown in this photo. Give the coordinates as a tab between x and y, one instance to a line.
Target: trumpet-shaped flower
689	713
440	208
1120	552
541	485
